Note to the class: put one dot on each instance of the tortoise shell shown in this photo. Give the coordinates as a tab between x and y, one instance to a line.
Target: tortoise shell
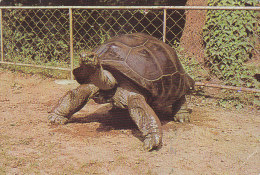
149	62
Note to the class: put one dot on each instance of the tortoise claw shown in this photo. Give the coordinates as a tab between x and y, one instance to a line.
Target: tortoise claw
57	119
182	116
152	141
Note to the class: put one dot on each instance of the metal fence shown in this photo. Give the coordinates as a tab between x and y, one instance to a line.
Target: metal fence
52	37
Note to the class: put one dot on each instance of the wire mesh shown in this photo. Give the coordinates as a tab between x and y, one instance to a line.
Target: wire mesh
41	37
36	36
94	27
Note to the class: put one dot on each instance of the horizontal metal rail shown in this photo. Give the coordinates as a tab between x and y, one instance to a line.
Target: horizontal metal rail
135	7
252	90
33	65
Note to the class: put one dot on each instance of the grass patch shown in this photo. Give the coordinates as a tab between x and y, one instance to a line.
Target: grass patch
50	73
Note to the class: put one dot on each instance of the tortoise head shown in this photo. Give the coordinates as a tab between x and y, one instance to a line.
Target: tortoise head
89	63
89	59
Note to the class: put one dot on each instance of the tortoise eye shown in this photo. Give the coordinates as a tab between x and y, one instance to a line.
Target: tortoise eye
83	54
91	56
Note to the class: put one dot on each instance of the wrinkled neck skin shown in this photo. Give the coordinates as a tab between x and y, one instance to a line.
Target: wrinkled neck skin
103	79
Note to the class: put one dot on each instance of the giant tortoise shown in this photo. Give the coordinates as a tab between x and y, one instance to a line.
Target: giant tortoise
133	71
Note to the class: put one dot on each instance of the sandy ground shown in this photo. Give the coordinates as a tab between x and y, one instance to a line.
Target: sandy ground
217	141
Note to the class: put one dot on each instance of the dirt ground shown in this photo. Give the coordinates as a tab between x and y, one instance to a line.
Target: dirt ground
216	141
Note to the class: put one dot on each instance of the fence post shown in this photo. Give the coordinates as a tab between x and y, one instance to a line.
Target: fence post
71	44
164	24
1	33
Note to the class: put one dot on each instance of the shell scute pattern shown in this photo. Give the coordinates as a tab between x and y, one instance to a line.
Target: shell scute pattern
149	62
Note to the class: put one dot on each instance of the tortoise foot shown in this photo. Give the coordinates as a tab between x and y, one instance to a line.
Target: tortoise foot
152	141
57	119
182	116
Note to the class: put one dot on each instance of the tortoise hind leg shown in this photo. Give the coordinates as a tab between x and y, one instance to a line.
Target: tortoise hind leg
71	102
143	116
146	120
181	111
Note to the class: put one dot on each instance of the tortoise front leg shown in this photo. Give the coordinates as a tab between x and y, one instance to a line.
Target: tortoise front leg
72	102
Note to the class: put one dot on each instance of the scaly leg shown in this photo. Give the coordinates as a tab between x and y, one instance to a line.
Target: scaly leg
181	111
143	115
71	102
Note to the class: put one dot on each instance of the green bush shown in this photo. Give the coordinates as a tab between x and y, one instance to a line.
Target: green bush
228	45
36	37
